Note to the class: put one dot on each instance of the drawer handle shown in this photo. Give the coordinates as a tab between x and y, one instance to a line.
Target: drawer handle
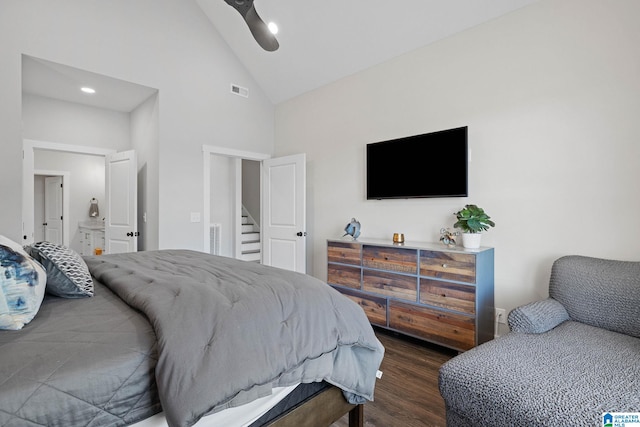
444	266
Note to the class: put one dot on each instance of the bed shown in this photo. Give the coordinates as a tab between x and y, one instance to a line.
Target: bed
175	337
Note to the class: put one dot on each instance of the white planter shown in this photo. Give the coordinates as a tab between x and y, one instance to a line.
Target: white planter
471	240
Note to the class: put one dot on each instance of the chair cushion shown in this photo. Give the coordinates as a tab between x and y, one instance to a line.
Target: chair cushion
568	376
599	292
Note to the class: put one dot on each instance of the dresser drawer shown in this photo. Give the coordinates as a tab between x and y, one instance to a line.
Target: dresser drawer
434	293
391	259
448	265
344	252
453	296
449	329
375	308
390	284
344	275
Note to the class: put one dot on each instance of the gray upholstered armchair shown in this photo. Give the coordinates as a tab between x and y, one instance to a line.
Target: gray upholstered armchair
568	359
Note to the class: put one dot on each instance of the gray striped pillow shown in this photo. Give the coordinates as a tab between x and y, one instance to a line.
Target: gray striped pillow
67	274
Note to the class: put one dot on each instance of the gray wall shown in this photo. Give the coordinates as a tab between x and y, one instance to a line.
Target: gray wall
251	188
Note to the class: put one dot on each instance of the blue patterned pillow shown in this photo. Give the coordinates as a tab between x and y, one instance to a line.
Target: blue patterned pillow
22	285
67	274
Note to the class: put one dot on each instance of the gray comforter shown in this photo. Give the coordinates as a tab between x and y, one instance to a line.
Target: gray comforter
229	330
79	362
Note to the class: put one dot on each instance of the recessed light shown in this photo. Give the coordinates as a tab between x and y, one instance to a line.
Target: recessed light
88	90
273	27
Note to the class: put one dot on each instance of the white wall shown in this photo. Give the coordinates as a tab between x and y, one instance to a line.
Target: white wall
51	120
144	140
223	183
190	65
551	96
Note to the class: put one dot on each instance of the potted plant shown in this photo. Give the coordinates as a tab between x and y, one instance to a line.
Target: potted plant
472	220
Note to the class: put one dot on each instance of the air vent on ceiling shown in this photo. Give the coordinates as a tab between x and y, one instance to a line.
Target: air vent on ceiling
239	90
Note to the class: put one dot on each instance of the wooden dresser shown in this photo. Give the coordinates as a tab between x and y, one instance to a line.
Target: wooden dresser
426	290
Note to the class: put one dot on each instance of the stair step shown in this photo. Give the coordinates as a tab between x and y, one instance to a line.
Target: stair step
248	228
251	256
251	246
250	237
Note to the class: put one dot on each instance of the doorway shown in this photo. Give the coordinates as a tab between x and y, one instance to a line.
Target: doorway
75	211
51	206
223	199
282	205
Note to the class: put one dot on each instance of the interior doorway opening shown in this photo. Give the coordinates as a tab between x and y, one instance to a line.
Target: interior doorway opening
282	190
232	203
75	211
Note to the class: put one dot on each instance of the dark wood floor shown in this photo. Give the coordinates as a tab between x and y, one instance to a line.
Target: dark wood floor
407	394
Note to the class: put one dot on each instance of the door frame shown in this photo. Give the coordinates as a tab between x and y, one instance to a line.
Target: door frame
28	148
66	191
238	155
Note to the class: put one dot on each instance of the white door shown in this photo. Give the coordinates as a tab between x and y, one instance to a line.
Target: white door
53	209
284	212
121	190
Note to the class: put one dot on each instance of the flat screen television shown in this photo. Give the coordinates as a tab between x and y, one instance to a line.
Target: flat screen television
428	165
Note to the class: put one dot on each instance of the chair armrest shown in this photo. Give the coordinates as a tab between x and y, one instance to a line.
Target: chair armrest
537	317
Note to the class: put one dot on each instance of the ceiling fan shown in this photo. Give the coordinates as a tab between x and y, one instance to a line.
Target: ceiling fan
258	28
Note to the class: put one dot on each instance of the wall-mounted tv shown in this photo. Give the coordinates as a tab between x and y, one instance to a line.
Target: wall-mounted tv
428	165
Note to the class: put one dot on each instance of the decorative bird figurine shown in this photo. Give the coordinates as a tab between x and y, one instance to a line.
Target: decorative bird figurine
352	229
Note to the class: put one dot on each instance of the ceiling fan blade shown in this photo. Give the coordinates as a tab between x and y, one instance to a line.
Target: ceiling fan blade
260	31
258	28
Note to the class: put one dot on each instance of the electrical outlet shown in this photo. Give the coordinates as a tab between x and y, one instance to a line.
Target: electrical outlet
501	315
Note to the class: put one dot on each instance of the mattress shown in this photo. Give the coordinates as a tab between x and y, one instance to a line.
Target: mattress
246	415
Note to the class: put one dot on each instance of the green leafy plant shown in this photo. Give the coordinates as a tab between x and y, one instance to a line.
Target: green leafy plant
472	219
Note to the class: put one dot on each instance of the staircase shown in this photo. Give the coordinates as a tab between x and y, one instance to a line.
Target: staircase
251	243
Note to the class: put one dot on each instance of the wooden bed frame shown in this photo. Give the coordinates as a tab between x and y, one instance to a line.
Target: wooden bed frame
321	410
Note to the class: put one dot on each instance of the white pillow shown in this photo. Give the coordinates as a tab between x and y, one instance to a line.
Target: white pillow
22	285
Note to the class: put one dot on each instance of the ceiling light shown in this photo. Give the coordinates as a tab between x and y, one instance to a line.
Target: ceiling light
273	27
88	90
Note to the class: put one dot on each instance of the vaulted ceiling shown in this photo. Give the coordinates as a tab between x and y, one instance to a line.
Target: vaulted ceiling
320	42
324	40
